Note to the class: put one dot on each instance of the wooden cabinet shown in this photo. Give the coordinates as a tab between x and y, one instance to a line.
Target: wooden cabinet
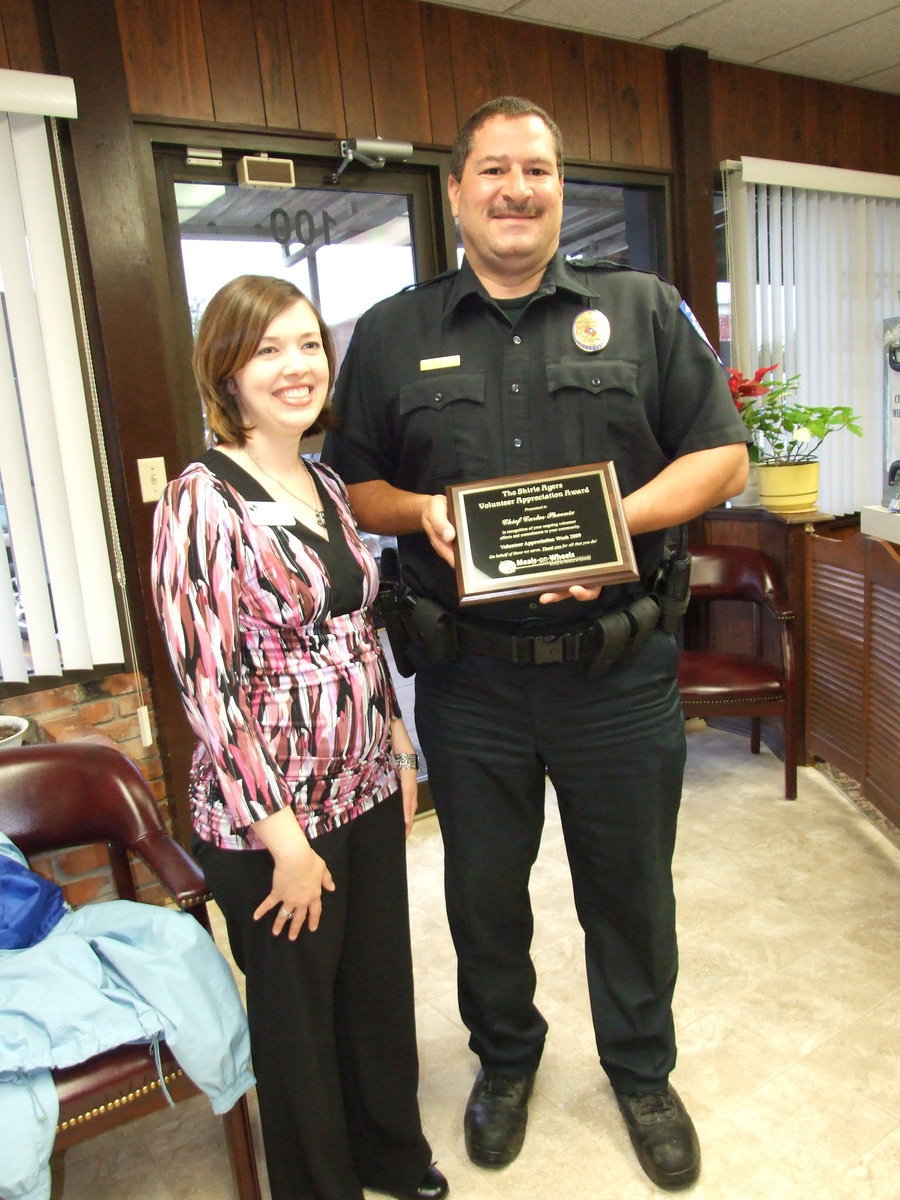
853	656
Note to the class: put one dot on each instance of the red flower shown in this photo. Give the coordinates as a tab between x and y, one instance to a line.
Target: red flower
741	387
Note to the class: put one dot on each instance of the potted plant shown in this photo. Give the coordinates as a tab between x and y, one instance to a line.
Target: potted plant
12	731
786	436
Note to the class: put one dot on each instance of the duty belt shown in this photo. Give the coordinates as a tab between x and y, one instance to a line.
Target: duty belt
515	648
597	646
420	629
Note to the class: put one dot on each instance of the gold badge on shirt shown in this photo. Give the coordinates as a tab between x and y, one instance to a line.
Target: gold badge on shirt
590	330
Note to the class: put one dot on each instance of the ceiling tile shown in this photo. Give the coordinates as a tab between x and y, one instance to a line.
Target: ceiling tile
748	31
882	81
493	6
847	55
628	19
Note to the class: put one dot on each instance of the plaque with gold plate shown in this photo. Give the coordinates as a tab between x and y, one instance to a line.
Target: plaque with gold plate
521	535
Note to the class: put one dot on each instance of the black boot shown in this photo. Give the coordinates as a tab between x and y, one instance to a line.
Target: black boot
663	1137
496	1115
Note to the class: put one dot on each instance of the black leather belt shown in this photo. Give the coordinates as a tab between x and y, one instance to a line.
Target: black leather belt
517	648
597	646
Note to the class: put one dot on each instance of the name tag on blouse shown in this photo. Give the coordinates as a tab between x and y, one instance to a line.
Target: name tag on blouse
269	512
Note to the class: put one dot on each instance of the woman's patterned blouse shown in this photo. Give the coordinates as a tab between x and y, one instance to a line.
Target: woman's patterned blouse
291	704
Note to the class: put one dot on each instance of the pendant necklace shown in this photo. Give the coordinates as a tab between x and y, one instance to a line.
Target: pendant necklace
318	513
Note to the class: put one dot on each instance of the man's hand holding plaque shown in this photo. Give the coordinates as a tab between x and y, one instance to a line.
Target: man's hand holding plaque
523	535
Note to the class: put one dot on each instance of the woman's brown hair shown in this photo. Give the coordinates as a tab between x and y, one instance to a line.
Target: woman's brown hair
230	330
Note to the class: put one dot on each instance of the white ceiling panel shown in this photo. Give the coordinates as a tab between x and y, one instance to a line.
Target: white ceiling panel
851	54
748	32
883	81
630	19
489	6
845	41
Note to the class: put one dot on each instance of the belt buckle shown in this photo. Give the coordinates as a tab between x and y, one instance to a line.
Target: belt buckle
548	648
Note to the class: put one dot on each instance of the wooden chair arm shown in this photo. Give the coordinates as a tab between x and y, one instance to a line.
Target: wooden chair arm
175	868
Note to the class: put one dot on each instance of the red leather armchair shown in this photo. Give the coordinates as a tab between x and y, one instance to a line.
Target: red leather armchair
717	683
58	796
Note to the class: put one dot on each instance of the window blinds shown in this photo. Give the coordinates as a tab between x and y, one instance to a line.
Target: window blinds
57	593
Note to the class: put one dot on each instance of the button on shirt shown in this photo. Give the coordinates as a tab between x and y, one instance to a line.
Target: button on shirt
442	386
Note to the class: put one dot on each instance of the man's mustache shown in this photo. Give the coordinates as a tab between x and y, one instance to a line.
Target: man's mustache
515	210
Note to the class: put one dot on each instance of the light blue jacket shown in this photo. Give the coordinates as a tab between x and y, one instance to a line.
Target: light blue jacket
107	974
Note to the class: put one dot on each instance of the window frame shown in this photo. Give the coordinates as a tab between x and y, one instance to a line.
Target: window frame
658	180
422	177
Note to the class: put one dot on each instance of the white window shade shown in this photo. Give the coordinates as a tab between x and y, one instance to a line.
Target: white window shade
41	95
774	173
62	587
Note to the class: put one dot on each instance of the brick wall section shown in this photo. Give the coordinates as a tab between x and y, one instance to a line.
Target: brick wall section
104	711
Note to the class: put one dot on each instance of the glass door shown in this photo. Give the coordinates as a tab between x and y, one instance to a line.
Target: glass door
345	250
345	245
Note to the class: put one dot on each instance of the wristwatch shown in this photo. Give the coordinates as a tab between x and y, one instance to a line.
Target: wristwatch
407	760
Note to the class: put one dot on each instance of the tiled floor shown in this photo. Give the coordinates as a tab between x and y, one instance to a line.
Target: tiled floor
788	1008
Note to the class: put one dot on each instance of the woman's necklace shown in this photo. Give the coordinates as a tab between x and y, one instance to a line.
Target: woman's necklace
319	513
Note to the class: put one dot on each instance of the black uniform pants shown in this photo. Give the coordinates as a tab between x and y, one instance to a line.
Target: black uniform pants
614	749
332	1024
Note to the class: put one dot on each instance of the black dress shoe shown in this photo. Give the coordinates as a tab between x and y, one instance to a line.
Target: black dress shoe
433	1186
495	1120
663	1137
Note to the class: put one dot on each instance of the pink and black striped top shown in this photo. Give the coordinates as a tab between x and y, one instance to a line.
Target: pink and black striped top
290	699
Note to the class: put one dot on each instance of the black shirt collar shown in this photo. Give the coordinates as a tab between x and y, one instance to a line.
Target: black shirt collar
558	275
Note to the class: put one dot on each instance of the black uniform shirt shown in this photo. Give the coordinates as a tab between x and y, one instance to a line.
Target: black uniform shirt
441	386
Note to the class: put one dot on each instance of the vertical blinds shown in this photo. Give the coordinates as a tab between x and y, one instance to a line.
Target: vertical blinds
57	592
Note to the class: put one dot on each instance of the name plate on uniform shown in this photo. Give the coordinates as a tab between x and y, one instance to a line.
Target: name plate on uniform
541	532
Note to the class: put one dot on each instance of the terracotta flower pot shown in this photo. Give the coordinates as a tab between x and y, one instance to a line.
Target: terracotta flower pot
789	487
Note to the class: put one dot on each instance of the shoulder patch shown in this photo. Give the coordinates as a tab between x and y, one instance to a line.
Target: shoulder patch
696	326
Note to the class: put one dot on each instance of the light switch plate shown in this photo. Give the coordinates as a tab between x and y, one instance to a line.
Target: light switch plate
152	473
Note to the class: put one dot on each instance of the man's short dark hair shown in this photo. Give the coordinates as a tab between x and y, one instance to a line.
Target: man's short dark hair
502	106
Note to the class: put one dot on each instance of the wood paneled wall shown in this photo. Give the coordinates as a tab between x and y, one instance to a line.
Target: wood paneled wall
770	115
20	38
410	70
389	68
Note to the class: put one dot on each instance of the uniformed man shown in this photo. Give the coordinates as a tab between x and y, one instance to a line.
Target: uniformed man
518	362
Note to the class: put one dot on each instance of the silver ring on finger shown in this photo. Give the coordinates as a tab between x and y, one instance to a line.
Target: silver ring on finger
287	913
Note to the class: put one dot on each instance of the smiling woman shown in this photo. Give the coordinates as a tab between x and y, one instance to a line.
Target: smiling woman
304	777
282	389
261	410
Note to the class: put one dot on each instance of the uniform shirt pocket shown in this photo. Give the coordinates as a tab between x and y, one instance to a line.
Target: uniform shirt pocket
444	425
593	395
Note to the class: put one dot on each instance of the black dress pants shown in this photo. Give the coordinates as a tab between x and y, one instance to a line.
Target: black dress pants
614	749
332	1023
